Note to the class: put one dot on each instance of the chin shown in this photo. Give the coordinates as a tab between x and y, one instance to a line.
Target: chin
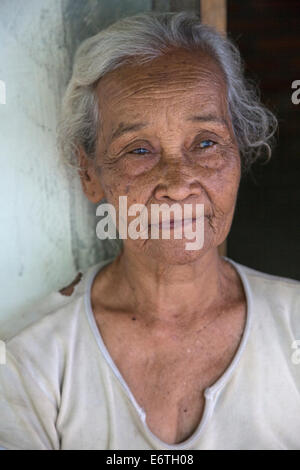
172	252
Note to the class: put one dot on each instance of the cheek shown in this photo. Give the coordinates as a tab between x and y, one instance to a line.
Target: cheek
113	182
116	184
224	183
131	177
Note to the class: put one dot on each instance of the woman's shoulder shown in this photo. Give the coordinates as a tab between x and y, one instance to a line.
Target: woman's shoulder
274	294
58	309
53	319
46	314
266	282
266	285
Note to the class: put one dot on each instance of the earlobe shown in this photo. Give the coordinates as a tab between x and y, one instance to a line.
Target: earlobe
83	164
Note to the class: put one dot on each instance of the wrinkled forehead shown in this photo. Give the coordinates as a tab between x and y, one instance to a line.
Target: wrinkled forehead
176	75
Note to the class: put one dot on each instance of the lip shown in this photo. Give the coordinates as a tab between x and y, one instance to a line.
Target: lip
174	223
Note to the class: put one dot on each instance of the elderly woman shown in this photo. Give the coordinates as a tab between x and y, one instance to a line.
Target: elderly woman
160	347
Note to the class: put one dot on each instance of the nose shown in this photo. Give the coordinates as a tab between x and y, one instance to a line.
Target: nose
177	183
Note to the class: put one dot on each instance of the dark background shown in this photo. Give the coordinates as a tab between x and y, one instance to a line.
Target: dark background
266	226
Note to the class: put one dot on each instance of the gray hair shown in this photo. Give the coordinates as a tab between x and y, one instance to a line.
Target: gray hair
143	37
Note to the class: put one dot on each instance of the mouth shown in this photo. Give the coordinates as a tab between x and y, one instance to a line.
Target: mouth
174	223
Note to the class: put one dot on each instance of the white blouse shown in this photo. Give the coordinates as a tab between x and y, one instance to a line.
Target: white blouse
60	389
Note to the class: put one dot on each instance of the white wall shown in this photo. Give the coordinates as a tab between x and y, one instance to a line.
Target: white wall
35	250
46	231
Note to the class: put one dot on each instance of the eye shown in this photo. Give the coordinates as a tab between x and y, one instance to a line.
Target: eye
140	148
207	143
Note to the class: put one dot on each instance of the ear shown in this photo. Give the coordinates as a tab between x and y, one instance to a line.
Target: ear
89	179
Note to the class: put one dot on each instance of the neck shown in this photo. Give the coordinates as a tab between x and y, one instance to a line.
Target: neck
174	294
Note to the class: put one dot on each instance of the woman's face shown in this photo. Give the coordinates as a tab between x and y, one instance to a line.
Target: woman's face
166	137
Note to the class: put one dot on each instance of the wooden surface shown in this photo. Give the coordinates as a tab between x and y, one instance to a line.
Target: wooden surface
213	12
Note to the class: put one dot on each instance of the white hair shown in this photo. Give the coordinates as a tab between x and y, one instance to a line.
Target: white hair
143	37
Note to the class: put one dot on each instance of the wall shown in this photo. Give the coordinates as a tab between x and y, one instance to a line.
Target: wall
35	253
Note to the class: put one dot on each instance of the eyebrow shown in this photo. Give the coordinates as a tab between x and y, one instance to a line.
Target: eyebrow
208	118
126	128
